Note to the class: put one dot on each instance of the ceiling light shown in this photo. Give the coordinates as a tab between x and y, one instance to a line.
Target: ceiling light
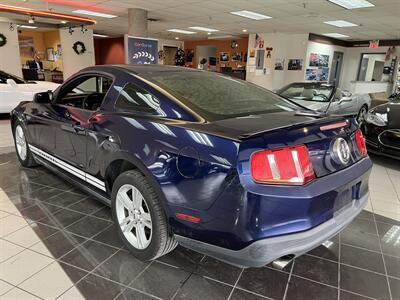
204	29
208	33
177	37
31	20
63	22
93	13
244	30
100	35
340	23
250	15
352	4
27	26
336	35
181	31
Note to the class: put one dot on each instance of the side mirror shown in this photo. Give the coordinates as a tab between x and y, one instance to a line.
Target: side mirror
11	82
43	97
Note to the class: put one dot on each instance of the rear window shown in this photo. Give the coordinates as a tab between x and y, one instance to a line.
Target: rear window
215	96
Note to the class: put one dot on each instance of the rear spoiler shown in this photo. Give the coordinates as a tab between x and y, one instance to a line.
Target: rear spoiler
324	120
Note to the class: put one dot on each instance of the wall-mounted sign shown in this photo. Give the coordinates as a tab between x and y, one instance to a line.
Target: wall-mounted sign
141	50
374	44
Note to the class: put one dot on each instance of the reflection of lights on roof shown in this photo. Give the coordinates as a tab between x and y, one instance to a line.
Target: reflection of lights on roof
135	123
163	128
200	138
221	160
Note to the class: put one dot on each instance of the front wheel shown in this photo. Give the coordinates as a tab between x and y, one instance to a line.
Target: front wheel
24	154
139	216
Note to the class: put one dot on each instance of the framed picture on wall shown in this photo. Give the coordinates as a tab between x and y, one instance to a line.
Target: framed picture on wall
224	56
295	64
319	60
237	56
50	54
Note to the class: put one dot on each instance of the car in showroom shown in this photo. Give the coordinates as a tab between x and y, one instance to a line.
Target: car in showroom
14	90
195	158
381	128
327	98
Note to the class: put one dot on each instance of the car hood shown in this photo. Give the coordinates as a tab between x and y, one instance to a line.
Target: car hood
42	86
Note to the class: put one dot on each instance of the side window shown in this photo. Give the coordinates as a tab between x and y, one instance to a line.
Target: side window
134	98
87	92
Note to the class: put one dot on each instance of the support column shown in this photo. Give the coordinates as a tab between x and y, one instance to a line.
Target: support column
137	22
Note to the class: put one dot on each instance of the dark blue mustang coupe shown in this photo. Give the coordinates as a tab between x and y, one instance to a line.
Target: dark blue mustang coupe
195	158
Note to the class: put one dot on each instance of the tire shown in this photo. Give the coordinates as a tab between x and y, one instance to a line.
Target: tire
132	219
24	154
361	114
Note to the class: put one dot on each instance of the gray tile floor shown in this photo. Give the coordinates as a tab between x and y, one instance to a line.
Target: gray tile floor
56	242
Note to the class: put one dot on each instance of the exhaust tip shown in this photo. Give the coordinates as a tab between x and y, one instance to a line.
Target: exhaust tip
283	261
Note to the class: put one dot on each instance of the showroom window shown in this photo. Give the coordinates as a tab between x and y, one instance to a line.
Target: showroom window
371	67
134	98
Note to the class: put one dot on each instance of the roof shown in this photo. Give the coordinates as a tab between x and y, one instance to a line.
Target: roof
143	69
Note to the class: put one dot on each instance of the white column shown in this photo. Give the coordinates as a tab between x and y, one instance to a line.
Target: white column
137	22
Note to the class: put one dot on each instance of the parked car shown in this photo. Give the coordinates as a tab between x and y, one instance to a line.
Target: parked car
14	90
327	98
216	164
382	128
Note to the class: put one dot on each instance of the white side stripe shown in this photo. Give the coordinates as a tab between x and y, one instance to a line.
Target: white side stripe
71	169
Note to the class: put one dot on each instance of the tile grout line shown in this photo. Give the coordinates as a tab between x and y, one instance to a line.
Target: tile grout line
289	278
380	247
236	283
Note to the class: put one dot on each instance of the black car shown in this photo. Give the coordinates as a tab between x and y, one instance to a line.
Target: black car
382	128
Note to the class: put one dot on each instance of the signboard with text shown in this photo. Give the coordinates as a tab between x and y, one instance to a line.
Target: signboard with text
141	50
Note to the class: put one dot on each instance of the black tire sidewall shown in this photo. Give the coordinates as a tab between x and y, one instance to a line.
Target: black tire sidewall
137	180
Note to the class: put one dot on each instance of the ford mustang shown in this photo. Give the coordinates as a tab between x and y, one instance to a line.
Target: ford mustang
14	90
190	157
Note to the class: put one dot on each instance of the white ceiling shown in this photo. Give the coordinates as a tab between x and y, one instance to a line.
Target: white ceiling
291	16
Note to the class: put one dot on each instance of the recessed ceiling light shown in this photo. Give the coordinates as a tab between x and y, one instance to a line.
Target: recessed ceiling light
100	35
63	22
340	23
93	13
250	15
244	30
181	31
352	4
204	29
336	35
177	37
27	26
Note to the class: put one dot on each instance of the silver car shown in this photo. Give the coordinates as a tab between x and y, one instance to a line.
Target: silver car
327	98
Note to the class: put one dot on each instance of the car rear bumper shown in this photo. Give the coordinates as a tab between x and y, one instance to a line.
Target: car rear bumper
262	252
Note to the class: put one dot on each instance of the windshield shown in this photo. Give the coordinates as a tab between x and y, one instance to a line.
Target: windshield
4	76
307	92
217	97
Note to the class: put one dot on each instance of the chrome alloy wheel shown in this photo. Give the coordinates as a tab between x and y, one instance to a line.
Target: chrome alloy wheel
20	141
133	216
361	115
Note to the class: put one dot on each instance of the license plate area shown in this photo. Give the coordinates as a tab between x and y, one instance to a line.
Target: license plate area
346	196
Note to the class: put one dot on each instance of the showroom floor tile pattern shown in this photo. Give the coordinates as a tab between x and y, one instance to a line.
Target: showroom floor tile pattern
56	242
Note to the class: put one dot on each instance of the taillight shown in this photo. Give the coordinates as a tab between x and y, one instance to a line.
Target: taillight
289	165
360	142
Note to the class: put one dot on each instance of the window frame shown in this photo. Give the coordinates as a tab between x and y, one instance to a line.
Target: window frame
76	78
151	111
360	63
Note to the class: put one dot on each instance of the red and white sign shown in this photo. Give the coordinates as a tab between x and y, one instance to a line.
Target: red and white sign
374	44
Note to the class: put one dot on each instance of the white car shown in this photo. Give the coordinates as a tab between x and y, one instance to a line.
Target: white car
13	90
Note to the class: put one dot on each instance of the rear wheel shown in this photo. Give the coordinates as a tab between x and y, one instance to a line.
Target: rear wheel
24	154
139	217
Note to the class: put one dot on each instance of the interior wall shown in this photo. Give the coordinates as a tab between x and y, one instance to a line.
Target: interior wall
171	43
222	46
285	46
9	53
52	40
109	51
38	43
205	52
72	61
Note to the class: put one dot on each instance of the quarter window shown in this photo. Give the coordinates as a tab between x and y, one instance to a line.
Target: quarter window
134	98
